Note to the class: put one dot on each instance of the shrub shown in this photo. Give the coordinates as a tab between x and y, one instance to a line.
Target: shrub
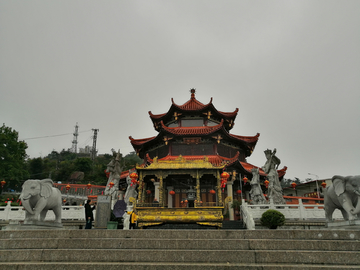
272	219
236	205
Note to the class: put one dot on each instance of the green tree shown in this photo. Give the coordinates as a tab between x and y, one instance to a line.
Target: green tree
36	168
130	161
13	158
64	171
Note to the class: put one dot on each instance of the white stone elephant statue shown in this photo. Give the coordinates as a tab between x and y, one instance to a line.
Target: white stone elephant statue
39	196
344	195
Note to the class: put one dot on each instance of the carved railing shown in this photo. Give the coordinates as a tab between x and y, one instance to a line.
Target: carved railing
247	218
69	212
298	211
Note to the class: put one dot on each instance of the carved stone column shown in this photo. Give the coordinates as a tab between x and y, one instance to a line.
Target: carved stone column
161	191
229	187
143	192
140	189
198	187
170	198
157	191
218	187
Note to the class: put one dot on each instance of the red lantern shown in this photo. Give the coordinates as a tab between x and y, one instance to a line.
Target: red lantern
293	185
111	184
3	182
238	191
323	184
134	175
225	175
266	182
172	193
186	201
148	192
67	187
64	200
245	180
88	185
212	191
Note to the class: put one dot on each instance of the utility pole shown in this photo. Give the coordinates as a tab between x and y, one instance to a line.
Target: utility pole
93	150
74	142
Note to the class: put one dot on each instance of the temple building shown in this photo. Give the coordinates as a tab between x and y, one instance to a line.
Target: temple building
193	167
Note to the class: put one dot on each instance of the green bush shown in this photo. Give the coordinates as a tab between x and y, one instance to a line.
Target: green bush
236	205
272	219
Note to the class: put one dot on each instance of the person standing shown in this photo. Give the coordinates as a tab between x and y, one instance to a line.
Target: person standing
89	216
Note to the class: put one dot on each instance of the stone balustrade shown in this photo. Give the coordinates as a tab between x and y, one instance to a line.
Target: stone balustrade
69	212
298	211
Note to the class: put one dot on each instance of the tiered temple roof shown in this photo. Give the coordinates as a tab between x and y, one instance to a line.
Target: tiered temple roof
198	126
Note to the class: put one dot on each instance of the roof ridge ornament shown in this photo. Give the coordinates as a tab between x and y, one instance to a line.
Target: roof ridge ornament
193	91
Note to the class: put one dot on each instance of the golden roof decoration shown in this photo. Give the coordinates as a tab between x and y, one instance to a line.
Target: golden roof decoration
181	163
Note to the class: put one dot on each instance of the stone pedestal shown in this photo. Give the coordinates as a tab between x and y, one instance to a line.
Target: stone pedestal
33	225
103	211
344	224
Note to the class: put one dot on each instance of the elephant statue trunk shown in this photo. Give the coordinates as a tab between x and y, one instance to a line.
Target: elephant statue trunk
356	211
27	206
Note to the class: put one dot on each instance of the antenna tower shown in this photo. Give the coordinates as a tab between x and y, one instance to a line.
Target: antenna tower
75	141
93	150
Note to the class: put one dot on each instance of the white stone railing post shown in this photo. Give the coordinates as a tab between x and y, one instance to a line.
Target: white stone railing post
246	216
7	210
302	210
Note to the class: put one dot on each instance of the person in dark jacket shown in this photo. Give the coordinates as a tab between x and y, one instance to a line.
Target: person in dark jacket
89	214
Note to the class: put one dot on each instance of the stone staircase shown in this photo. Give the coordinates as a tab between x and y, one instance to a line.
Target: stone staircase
179	249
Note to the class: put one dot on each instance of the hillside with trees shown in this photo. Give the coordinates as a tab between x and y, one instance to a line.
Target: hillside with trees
64	166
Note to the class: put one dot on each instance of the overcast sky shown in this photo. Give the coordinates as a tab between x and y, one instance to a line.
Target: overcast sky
291	67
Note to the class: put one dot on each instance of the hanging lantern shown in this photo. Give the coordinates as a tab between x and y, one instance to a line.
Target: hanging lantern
88	185
323	184
172	193
3	182
134	175
67	187
266	182
245	180
238	191
293	185
186	201
111	184
148	192
64	201
212	191
225	176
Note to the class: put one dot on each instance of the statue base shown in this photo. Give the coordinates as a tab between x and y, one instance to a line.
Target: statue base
33	225
344	224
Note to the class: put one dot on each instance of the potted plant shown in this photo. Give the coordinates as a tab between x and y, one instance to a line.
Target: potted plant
272	219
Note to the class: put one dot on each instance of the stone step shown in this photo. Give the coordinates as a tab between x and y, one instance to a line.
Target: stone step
166	266
179	249
350	235
179	244
188	256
